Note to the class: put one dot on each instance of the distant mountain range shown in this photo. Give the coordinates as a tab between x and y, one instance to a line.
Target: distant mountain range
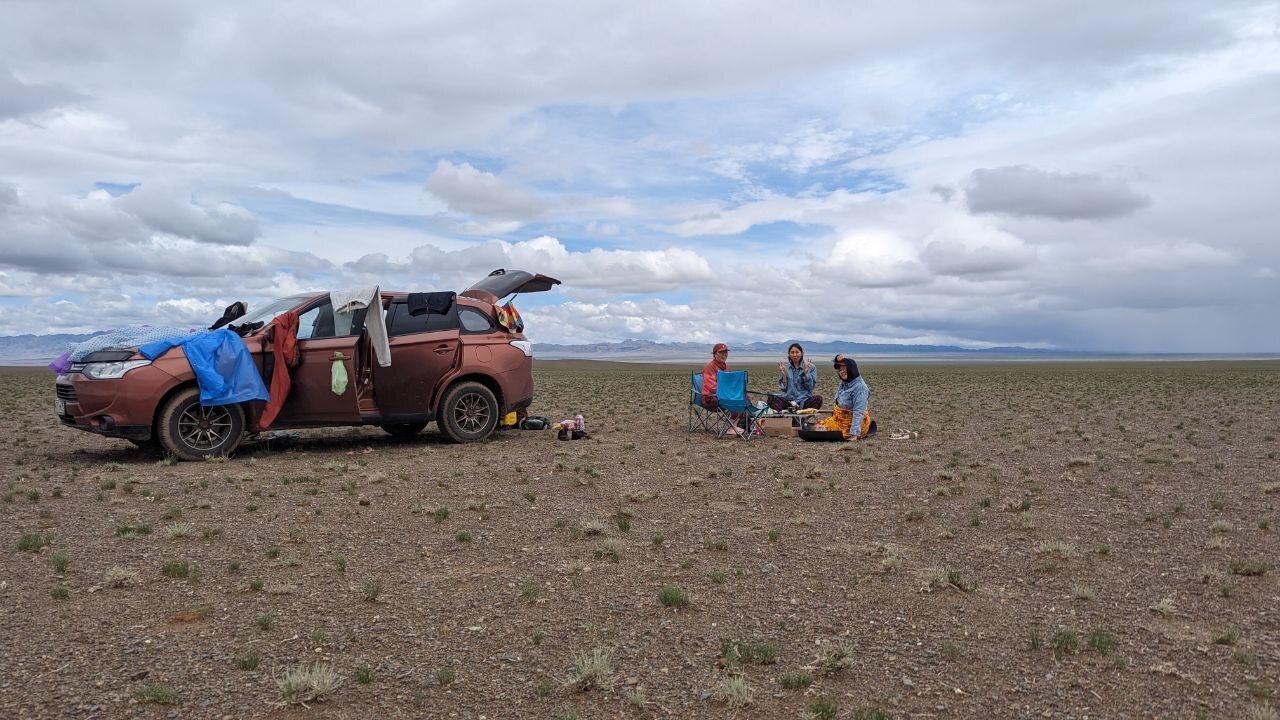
36	349
649	351
41	349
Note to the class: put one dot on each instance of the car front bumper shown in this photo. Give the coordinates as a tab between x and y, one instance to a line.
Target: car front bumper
119	408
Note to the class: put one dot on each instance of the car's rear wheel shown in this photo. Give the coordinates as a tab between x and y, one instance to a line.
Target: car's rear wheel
469	412
193	431
403	429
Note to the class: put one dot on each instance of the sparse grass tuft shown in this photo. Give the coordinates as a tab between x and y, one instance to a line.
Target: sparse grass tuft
155	693
59	561
823	708
1247	567
248	659
609	549
796	680
950	650
308	683
759	652
1082	592
1102	642
1226	637
635	697
870	712
672	596
939	578
178	530
118	577
33	542
175	569
1056	548
1261	711
833	657
372	590
734	692
593	669
1064	641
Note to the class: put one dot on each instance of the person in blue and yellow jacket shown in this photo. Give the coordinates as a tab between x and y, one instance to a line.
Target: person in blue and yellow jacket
853	401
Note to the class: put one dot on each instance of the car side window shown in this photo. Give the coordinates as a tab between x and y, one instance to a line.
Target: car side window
474	321
321	322
400	322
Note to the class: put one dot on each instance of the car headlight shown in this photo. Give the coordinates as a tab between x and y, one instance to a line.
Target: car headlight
111	370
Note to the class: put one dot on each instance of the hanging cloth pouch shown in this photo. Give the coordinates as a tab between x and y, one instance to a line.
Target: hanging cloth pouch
513	315
338	374
509	318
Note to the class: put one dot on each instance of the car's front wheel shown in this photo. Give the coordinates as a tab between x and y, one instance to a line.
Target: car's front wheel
192	431
469	412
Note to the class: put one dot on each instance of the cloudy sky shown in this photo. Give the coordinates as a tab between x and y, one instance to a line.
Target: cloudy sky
1080	175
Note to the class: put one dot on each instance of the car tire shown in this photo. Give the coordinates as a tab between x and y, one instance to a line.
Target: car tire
192	431
469	413
402	430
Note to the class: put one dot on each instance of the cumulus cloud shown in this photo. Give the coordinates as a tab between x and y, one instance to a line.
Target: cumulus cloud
694	146
963	247
19	99
1025	190
1163	258
475	192
623	271
874	259
826	209
156	240
142	230
170	210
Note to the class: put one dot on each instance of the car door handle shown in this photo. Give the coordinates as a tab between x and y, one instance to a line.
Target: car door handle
443	349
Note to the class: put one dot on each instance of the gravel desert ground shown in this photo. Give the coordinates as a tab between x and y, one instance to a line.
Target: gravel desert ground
1062	540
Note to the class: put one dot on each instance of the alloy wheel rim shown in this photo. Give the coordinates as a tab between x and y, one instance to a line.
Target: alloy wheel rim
471	412
204	428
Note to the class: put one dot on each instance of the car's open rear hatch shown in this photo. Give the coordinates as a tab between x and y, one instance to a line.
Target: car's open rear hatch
501	283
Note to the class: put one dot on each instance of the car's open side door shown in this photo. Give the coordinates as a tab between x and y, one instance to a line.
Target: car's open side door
311	399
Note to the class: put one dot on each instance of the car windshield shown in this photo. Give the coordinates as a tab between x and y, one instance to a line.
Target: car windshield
267	313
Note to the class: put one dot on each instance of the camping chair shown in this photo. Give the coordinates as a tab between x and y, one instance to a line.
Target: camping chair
732	405
700	418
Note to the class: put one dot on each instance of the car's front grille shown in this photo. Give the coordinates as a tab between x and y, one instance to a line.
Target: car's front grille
66	392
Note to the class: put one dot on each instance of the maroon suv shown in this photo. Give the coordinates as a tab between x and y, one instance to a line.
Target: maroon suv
460	369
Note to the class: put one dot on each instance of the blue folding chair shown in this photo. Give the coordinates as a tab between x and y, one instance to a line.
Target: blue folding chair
700	418
732	405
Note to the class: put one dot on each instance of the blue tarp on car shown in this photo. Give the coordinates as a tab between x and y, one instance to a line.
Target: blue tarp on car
223	366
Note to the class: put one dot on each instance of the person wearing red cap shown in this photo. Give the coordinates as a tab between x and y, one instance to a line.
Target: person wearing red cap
719	363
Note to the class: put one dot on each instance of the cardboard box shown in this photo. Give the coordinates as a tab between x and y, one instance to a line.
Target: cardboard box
777	426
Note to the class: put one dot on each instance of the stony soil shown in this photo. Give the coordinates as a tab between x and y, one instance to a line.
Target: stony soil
1055	540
